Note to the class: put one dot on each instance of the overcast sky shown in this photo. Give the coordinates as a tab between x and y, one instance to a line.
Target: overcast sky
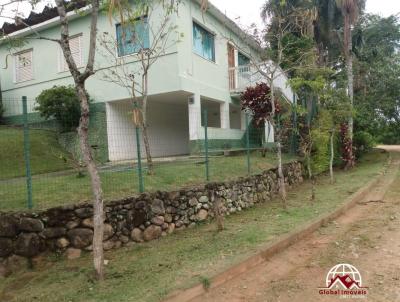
247	12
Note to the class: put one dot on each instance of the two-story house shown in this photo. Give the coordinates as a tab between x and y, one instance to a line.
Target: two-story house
206	69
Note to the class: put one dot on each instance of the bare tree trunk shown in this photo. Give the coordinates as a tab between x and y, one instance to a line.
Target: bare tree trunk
332	156
309	166
217	208
98	215
313	185
282	187
150	167
79	80
311	175
350	80
350	87
281	177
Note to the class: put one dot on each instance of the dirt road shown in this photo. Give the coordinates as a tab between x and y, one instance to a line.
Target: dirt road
367	236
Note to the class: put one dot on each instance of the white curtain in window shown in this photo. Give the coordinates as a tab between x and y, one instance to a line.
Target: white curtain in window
23	66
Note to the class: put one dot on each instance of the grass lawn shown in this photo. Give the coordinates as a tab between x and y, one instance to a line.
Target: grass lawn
122	181
45	152
148	272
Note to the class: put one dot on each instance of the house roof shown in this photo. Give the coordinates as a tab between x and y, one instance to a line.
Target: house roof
214	11
24	26
47	13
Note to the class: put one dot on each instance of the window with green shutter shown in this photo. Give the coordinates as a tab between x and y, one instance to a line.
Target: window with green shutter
203	42
133	37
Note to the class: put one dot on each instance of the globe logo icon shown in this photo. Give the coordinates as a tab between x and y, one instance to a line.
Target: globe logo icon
346	272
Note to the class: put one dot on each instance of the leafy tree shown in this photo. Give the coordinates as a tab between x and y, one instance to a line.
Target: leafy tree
258	101
327	25
335	101
350	11
310	83
323	20
363	142
377	70
289	27
61	103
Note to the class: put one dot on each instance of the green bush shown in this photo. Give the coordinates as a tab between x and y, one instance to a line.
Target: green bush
363	143
62	104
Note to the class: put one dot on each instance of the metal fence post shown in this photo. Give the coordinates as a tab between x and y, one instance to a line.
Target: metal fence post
248	143
139	160
137	121
27	153
205	120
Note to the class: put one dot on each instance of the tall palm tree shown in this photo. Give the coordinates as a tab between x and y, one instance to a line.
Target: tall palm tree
328	21
350	11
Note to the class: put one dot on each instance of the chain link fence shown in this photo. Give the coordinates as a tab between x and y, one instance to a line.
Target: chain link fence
41	165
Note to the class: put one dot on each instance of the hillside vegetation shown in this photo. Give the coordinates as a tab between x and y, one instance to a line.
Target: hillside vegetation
45	152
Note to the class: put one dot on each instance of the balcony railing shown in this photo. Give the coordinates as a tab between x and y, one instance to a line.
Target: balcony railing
243	76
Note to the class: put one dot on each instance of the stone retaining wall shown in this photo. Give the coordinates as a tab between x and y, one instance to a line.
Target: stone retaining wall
69	229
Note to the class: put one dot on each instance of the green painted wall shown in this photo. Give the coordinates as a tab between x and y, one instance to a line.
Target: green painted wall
255	138
98	131
163	76
219	145
97	135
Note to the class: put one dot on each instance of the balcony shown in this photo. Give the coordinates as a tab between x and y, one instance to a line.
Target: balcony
241	77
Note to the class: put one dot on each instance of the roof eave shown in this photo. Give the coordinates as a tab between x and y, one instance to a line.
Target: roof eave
46	24
213	10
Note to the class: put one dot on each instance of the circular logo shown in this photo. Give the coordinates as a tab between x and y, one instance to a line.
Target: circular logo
346	273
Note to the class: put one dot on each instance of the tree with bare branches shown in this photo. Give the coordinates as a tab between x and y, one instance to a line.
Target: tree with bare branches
80	81
79	77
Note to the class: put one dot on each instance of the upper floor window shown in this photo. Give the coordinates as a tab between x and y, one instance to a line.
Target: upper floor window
23	66
75	44
243	59
132	37
203	42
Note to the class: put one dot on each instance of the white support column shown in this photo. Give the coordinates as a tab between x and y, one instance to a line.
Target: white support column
224	115
194	116
243	125
237	69
269	133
